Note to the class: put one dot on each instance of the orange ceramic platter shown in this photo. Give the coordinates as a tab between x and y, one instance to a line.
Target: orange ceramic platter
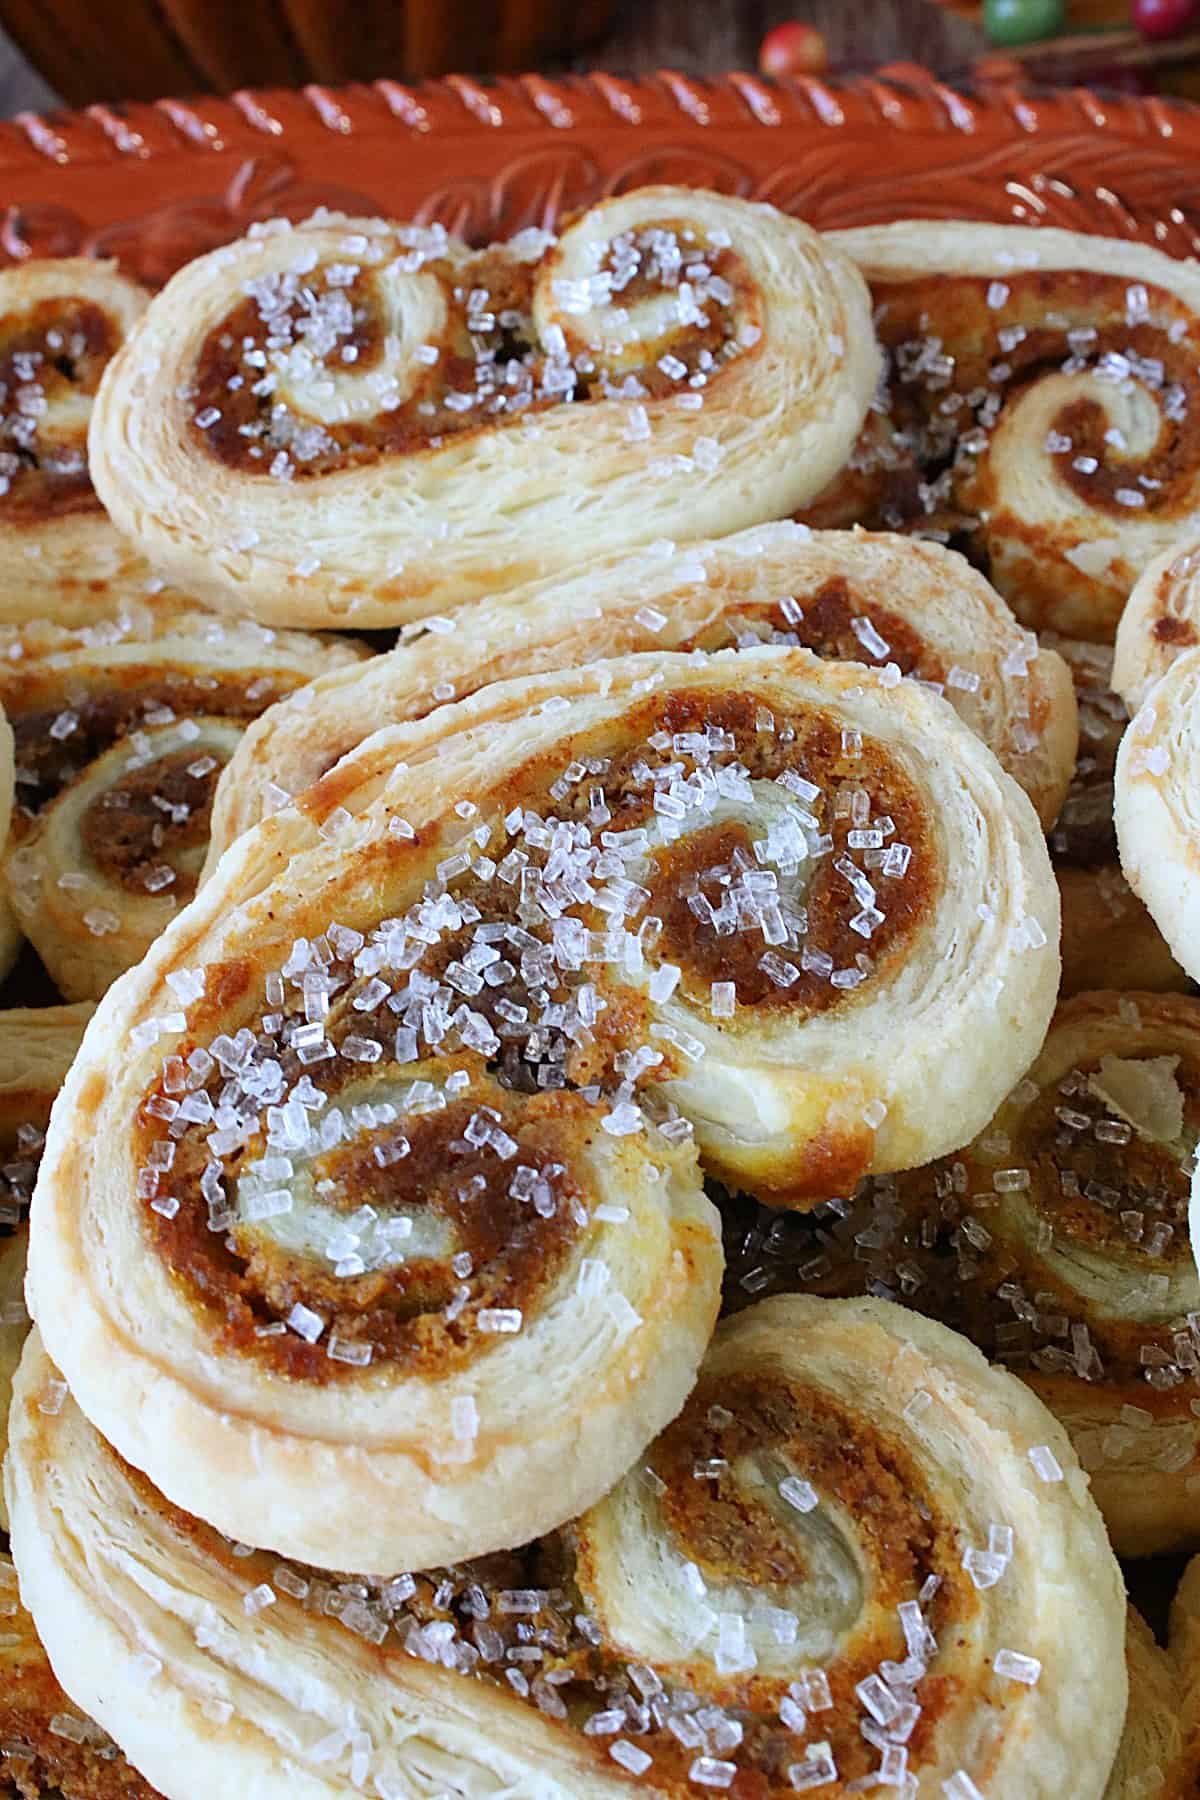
157	184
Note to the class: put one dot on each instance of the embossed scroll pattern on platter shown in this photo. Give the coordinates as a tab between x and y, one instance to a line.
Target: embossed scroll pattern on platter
524	151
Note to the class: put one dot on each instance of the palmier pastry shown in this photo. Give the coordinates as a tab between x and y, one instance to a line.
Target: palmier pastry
1040	406
361	422
466	1003
1185	1653
61	321
900	606
1160	622
859	1551
122	728
10	931
37	1045
47	1746
14	1323
1154	1760
1058	1241
1157	795
1084	835
1108	937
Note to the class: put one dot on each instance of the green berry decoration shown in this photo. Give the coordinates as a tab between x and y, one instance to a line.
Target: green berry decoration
1022	21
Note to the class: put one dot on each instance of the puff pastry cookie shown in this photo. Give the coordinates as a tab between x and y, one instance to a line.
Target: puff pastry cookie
1185	1654
37	1045
61	322
122	729
1154	1760
1108	937
901	607
1058	1241
1039	383
638	890
1157	802
10	931
47	1746
354	422
941	1602
1160	622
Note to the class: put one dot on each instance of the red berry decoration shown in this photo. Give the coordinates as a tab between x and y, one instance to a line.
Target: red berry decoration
1165	18
793	49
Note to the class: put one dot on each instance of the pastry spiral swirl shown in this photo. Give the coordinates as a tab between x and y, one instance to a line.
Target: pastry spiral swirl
501	914
839	1559
1041	407
899	606
1058	1241
61	322
675	360
1157	804
122	728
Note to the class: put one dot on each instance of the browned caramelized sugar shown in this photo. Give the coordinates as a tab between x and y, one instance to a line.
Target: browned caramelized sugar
54	349
154	821
959	346
489	368
1168	628
406	1313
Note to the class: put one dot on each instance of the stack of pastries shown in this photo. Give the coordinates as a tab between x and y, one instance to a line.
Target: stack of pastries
605	1209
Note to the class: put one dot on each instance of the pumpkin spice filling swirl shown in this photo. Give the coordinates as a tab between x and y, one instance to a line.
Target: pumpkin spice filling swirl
389	1204
61	322
121	729
675	360
857	1557
1039	410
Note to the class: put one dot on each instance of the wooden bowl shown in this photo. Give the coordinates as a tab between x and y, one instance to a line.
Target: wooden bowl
108	50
